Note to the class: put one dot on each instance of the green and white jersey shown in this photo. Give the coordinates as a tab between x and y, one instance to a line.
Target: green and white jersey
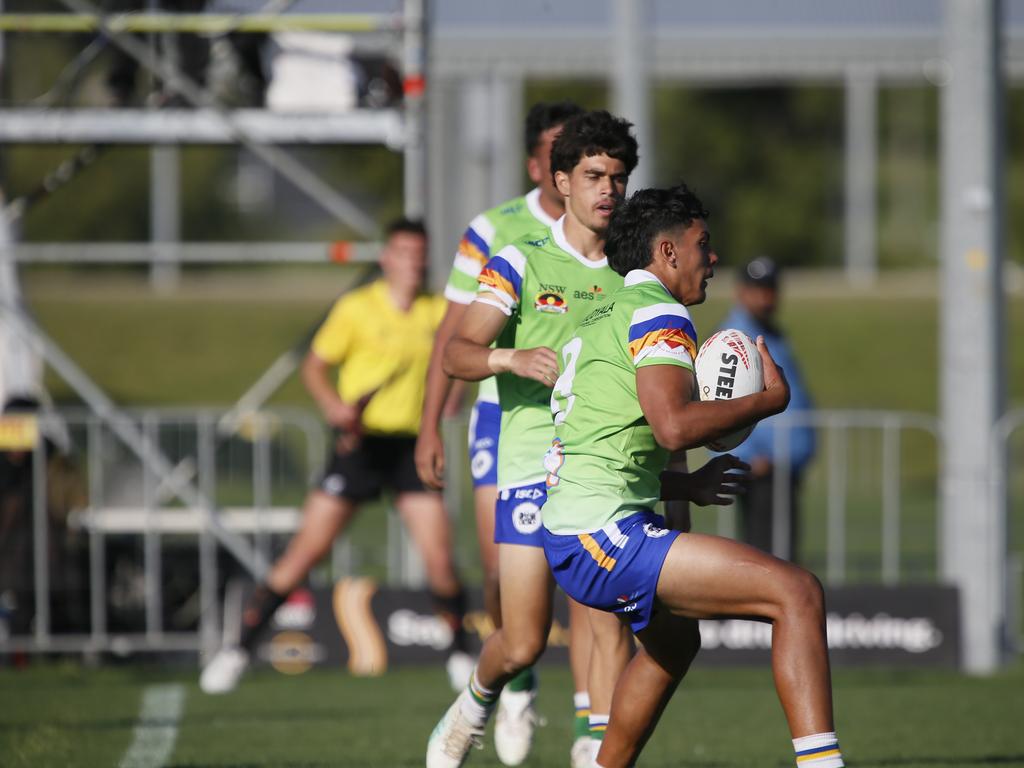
546	287
487	234
604	463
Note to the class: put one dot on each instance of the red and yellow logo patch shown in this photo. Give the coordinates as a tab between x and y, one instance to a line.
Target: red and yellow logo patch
549	301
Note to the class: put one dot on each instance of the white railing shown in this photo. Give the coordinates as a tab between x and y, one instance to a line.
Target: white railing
255	475
251	479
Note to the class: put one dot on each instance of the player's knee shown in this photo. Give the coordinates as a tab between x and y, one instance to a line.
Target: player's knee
805	595
309	546
524	652
440	569
316	550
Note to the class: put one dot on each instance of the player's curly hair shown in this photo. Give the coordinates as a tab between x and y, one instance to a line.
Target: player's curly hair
594	133
637	221
545	115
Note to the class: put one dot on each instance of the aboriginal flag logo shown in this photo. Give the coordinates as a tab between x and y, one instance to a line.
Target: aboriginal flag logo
549	301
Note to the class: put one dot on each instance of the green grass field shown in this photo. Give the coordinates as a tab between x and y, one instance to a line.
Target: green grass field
66	716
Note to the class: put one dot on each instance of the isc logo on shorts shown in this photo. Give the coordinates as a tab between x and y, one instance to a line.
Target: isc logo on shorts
526	518
531	494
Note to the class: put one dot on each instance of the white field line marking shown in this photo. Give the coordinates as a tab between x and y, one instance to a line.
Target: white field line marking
157	729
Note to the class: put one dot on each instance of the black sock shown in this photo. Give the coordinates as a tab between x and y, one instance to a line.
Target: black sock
452	608
259	608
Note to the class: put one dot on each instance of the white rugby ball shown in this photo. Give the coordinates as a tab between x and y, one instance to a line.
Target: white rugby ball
728	366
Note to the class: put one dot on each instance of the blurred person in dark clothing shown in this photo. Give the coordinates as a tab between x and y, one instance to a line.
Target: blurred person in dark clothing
757	302
16	531
64	492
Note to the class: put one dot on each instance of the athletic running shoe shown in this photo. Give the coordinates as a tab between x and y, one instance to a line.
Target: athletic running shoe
514	726
221	675
453	737
459	667
583	753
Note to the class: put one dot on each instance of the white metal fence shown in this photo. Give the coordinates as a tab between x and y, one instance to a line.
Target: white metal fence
144	570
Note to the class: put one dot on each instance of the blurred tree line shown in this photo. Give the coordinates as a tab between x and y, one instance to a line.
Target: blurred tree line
767	160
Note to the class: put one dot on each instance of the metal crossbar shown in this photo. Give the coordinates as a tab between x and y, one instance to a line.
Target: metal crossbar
193	253
200	23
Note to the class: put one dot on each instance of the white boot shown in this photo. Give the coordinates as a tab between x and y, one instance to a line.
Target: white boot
225	669
453	737
514	726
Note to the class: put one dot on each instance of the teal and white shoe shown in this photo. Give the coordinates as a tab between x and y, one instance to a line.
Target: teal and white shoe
453	737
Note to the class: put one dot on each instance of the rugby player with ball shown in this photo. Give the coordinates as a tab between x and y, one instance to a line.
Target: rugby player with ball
624	400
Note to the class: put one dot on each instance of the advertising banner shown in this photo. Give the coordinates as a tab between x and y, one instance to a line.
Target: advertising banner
366	629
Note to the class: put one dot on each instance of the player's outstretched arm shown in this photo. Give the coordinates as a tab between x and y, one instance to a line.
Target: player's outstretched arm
666	395
429	443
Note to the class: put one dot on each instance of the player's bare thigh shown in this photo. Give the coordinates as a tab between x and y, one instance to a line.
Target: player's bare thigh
705	576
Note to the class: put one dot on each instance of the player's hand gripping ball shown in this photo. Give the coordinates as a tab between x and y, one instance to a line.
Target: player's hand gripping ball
728	366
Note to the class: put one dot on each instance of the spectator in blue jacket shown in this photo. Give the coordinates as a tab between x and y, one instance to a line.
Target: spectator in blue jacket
757	301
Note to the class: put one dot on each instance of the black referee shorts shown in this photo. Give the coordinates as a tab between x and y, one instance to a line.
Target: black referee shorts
377	462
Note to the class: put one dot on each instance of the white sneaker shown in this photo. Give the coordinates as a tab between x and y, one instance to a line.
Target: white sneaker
514	726
221	675
453	737
583	753
459	667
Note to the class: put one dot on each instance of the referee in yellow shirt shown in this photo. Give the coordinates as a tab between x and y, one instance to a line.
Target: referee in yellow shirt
380	337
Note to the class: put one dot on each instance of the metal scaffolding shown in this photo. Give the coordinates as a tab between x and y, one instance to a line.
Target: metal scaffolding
210	121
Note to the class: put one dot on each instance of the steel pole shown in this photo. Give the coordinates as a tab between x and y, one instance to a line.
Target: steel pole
630	79
414	88
973	527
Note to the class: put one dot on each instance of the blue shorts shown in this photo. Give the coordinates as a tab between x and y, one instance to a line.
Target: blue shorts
517	515
484	426
614	569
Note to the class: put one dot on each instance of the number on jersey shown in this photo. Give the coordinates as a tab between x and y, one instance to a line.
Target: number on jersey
563	387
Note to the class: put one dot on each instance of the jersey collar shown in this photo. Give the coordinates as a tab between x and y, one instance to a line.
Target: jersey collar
558	233
637	276
533	204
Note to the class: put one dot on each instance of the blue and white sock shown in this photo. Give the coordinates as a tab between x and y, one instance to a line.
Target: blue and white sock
819	750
